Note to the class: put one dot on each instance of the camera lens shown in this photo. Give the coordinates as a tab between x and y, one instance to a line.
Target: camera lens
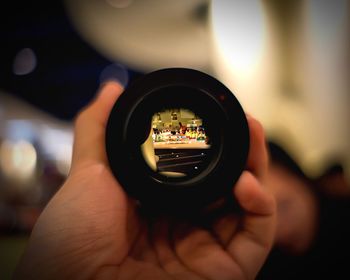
177	139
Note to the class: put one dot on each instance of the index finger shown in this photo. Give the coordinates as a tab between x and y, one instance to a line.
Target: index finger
257	161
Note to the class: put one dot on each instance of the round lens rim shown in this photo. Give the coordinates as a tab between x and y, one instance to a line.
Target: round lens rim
133	173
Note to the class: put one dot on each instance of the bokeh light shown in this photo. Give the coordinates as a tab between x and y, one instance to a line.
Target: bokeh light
115	72
18	160
24	62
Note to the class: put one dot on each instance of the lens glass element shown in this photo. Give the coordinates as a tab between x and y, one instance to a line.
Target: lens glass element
178	144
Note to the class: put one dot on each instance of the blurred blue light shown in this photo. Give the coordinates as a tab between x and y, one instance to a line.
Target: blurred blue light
115	72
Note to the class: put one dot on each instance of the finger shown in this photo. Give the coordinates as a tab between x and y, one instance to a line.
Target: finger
166	255
225	227
90	125
257	161
221	219
201	253
250	246
142	249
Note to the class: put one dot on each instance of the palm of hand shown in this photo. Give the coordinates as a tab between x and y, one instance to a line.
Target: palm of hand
111	241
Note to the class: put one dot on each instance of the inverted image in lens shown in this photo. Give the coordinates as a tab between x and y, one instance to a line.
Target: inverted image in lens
178	144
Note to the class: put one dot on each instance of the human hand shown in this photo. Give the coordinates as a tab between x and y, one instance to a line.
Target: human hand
92	229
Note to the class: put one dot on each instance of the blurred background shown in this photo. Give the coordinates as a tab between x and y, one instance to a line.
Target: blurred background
286	61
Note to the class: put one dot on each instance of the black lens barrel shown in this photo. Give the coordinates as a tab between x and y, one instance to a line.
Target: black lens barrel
129	124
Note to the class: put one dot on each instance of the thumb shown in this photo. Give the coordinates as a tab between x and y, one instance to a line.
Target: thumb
90	126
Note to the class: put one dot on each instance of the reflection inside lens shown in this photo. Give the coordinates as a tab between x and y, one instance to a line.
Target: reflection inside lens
178	144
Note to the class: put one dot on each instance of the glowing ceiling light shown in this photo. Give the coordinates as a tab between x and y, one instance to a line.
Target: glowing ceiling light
238	30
